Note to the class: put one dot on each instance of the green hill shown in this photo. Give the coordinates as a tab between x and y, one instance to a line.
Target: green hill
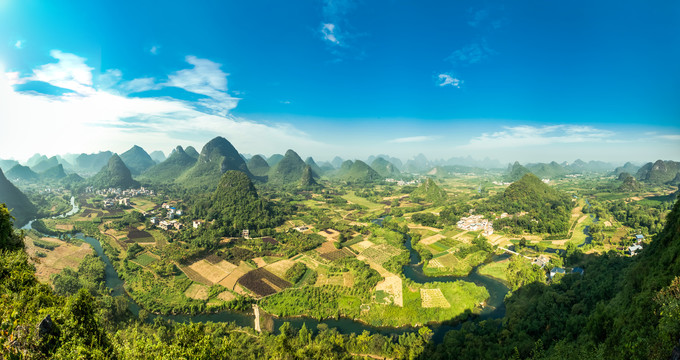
35	160
5	165
22	173
137	160
217	157
92	163
157	156
357	172
551	170
114	175
235	205
316	169
547	210
629	183
307	180
191	151
288	170
53	173
258	166
22	208
274	159
515	172
430	191
660	172
627	168
385	168
171	168
45	164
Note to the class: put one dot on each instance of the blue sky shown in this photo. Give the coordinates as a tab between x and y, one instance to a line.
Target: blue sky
524	80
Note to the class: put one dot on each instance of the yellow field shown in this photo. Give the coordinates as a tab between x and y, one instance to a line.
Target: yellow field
392	285
279	268
197	291
64	256
230	280
432	298
213	272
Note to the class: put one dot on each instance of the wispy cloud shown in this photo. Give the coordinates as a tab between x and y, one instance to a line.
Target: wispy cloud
334	25
19	44
525	135
448	80
471	54
69	72
205	78
328	31
155	49
102	116
670	137
411	139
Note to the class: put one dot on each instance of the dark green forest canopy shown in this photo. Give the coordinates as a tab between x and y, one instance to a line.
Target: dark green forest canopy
547	209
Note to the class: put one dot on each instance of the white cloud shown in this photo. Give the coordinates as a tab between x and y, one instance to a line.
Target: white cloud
448	80
328	31
154	49
69	72
205	78
525	135
99	117
19	44
670	137
411	139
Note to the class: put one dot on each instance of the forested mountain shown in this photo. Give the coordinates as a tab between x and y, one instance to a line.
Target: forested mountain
515	172
430	192
316	169
274	159
393	160
92	163
235	205
659	172
169	170
5	165
54	173
307	180
385	168
22	173
550	170
357	172
191	151
217	157
157	156
627	168
114	175
337	162
258	166
35	160
580	167
22	208
288	170
418	164
547	210
45	164
628	183
137	160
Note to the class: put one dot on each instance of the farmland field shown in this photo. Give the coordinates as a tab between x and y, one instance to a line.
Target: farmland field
262	282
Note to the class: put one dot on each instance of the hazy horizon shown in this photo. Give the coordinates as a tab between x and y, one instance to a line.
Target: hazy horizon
528	82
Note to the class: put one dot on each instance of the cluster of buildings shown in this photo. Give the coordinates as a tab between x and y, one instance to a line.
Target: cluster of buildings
501	183
402	182
637	246
166	224
476	223
560	271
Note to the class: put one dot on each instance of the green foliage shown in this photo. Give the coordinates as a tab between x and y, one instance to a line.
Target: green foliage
217	157
137	160
288	171
430	192
114	175
22	208
295	273
547	210
521	272
169	170
258	166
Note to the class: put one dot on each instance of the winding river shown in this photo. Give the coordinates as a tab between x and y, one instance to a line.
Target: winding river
495	307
